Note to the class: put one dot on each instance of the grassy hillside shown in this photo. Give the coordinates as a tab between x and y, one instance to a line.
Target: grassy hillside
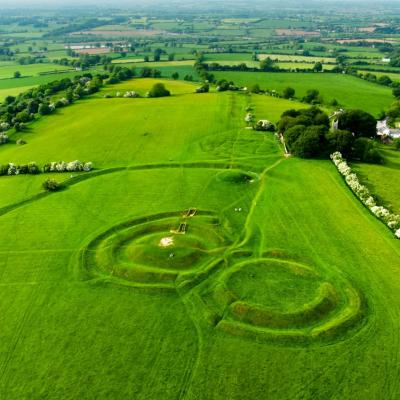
129	127
383	180
282	287
365	95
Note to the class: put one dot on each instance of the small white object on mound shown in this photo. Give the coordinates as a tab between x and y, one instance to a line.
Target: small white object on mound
166	241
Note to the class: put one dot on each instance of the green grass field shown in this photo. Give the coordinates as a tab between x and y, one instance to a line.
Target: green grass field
14	86
7	71
365	95
393	76
283	285
14	91
383	180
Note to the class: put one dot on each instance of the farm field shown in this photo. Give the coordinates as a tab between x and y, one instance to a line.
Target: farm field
14	86
8	70
393	76
369	96
286	57
201	324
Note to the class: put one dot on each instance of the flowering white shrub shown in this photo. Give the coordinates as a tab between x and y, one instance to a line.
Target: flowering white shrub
64	101
362	192
87	166
3	138
249	117
370	202
73	166
61	166
12	169
4	126
131	94
264	125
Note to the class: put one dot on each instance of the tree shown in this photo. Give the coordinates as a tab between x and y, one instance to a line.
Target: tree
159	90
396	92
175	76
318	67
44	109
292	134
171	57
204	88
51	185
309	143
23	116
312	96
339	140
267	64
366	150
288	93
384	80
255	88
359	122
17	74
146	58
157	54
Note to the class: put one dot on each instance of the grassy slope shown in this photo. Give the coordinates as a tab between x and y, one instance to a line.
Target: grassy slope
12	91
71	134
62	337
368	96
383	180
14	86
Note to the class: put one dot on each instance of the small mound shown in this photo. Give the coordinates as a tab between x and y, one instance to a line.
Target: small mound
284	301
154	250
237	176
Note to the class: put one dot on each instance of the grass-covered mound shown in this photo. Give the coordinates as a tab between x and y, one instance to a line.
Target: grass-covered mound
237	176
155	249
283	301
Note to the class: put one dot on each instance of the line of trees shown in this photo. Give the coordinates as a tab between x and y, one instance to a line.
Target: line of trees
307	134
19	110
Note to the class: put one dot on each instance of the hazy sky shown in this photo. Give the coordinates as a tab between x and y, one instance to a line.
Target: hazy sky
165	3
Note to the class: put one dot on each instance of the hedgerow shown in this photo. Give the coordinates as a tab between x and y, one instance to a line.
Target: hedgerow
364	195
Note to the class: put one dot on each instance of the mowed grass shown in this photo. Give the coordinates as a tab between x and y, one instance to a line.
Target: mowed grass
383	180
365	95
67	336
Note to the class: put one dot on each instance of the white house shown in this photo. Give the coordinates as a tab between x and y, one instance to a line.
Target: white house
384	131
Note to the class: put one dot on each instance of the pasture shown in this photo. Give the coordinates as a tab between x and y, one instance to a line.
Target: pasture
7	71
368	96
147	277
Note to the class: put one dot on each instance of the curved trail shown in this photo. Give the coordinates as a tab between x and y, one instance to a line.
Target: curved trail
142	167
